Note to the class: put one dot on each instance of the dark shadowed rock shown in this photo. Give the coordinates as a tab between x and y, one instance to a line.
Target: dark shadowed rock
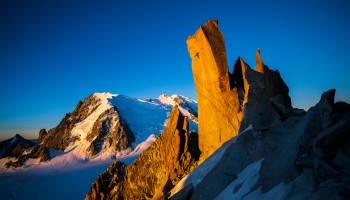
42	134
299	150
265	95
14	147
38	151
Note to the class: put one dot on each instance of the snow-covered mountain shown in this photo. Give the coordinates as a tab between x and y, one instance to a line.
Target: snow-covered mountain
102	128
106	126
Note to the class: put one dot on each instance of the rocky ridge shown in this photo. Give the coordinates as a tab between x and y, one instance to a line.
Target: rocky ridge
303	157
173	155
14	147
229	102
284	153
109	131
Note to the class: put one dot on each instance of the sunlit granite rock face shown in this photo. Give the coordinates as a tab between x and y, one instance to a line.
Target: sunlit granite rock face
171	157
218	105
229	102
111	179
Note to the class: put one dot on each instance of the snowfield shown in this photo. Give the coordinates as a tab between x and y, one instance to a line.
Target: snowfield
69	174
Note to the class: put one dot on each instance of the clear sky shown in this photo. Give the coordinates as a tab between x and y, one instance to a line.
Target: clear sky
55	53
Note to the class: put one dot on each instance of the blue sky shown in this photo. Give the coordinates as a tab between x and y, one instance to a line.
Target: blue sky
55	53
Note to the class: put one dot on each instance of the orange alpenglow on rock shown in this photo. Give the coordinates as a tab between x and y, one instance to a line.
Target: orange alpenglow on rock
229	103
219	109
260	67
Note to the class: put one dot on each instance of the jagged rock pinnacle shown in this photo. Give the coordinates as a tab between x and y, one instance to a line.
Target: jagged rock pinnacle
218	105
259	63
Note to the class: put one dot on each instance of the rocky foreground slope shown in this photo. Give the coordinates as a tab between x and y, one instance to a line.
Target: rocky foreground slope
279	152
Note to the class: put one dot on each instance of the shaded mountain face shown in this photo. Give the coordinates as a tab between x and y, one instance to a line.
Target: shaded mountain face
173	155
14	147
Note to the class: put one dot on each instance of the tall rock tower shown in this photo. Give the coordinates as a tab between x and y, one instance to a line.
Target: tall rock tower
218	104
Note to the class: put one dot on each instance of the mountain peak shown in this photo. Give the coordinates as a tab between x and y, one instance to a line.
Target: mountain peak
104	95
260	67
18	136
14	147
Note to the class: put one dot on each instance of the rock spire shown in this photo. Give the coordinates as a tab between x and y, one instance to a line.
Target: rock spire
218	105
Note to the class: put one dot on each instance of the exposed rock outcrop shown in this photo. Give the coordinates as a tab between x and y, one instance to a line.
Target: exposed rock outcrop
306	157
228	102
42	134
14	147
265	95
111	179
173	155
111	132
38	151
218	105
59	137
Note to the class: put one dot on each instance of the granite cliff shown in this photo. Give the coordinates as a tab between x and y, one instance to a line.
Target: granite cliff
229	102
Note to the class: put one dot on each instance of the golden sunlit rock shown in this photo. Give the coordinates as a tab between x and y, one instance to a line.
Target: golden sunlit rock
260	67
218	105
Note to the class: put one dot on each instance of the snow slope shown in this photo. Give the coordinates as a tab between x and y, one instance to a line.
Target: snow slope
147	120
